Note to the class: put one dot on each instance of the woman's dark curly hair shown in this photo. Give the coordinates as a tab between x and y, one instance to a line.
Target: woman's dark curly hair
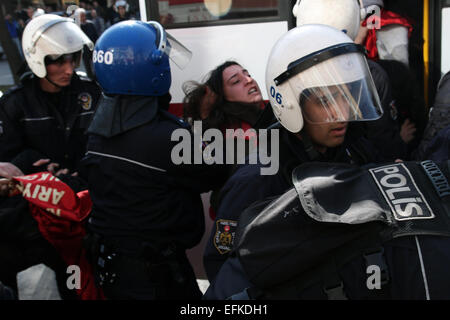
220	114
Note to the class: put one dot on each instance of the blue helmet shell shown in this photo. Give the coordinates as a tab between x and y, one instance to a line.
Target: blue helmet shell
127	60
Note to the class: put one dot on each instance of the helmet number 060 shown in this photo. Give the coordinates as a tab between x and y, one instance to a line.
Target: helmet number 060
102	57
276	95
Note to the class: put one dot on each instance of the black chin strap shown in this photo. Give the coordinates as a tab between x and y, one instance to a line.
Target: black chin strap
58	86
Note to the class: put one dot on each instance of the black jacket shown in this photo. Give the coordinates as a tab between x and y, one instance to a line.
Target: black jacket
247	185
138	193
37	125
290	255
439	118
384	133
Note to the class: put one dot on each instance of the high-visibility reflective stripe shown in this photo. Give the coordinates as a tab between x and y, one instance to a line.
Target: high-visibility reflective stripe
37	119
125	159
425	282
85	113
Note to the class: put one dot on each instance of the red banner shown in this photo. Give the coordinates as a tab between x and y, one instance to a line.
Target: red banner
61	213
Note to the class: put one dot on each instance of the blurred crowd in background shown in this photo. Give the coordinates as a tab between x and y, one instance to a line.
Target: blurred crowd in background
98	16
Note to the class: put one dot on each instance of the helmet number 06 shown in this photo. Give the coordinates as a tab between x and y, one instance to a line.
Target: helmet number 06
277	96
102	57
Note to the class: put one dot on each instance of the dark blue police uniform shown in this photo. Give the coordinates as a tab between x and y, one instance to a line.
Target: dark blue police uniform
38	125
147	210
246	186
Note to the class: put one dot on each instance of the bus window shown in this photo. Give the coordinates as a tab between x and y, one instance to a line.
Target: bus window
178	13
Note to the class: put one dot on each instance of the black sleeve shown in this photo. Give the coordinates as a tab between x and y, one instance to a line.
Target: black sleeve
240	191
194	173
12	142
16	221
384	133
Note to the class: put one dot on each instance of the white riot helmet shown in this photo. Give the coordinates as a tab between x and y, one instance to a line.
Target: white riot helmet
77	15
320	64
38	12
121	3
340	14
51	35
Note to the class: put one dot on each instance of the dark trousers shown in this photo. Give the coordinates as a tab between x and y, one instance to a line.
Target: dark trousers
137	280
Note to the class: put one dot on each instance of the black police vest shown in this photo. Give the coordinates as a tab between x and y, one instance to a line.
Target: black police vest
335	213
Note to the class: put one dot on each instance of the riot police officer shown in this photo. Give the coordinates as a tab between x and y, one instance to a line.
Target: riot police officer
43	121
146	209
387	134
316	89
336	223
46	116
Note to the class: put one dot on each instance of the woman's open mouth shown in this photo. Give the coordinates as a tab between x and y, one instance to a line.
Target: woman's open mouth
339	131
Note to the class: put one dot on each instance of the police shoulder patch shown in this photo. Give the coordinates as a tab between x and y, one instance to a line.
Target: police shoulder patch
401	192
85	100
224	236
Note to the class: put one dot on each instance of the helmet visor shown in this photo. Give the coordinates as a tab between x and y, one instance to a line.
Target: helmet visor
341	92
175	50
74	57
61	37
